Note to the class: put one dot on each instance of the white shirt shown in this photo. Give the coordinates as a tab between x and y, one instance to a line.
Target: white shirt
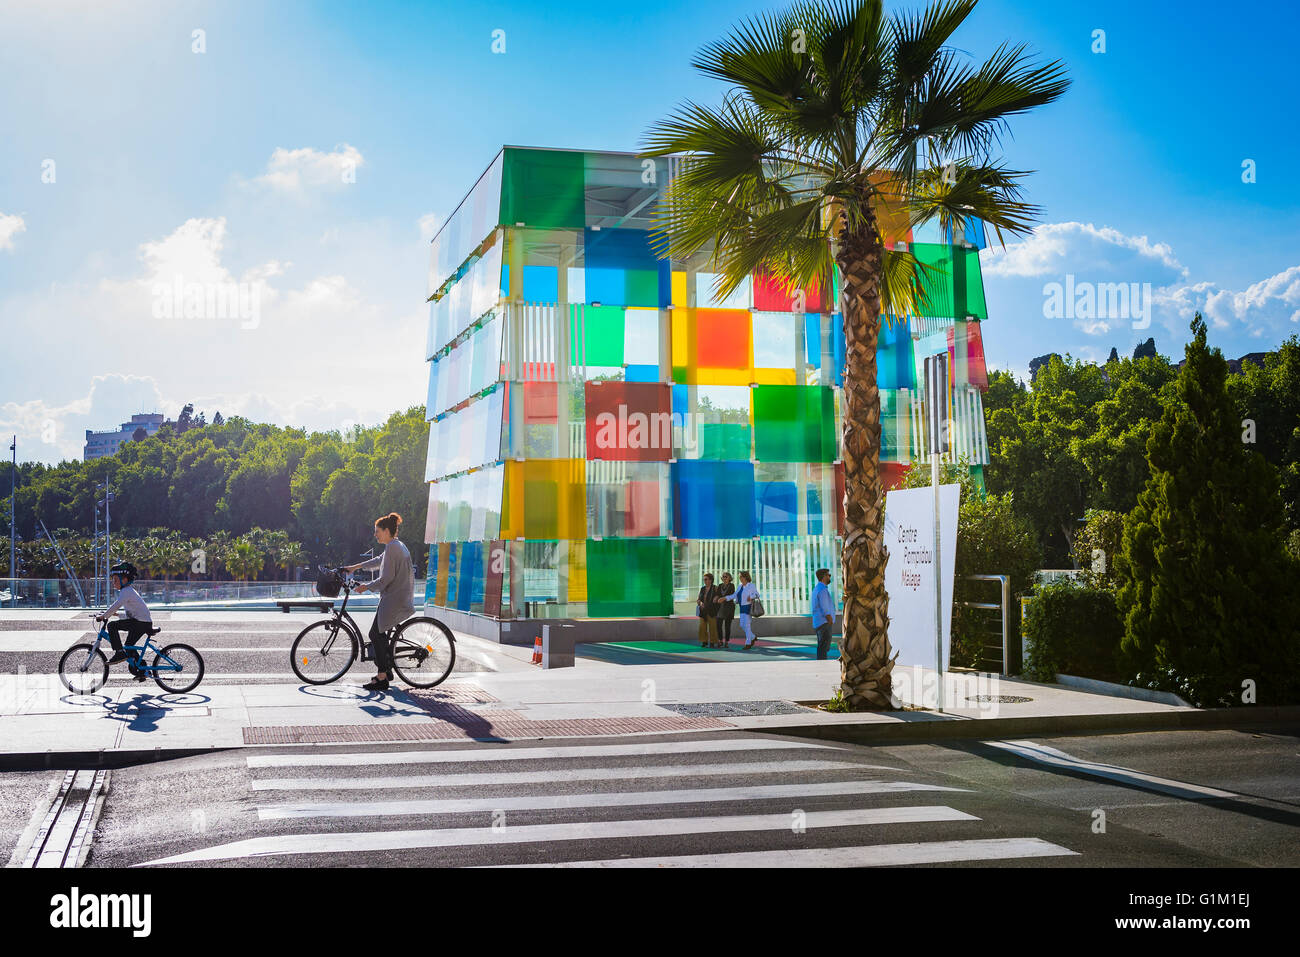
129	601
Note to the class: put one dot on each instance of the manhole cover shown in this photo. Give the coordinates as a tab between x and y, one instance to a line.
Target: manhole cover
1000	698
734	709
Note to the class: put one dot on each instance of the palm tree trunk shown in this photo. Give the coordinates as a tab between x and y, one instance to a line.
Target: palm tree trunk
865	663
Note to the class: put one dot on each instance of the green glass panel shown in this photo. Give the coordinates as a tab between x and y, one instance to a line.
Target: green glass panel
543	188
970	283
724	441
629	577
794	423
953	288
603	329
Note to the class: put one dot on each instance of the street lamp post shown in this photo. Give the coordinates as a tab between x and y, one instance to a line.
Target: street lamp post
13	493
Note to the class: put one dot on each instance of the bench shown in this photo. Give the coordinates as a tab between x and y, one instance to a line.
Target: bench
315	604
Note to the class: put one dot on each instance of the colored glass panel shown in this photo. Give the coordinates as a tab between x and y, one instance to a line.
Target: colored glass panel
543	188
641	373
627	499
601	330
794	424
894	360
629	578
468	225
713	499
545	499
966	354
712	346
629	421
773	294
622	270
951	285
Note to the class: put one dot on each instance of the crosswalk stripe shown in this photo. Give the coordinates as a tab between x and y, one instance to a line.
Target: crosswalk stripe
876	855
351	759
407	782
546	802
1054	758
338	843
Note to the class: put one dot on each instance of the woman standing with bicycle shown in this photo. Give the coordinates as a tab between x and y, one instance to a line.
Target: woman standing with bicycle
396	585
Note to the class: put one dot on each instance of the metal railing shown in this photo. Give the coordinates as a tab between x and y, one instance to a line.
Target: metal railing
1004	607
59	593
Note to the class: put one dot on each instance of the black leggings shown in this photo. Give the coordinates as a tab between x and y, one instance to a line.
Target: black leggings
724	628
134	630
381	642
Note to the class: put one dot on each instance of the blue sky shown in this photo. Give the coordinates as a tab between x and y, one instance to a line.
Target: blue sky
226	165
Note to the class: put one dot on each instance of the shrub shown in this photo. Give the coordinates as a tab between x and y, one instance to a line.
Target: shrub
1073	629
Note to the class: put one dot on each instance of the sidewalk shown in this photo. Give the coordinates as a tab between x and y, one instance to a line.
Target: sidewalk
518	700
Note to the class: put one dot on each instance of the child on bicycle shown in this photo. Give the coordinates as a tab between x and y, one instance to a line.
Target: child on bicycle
138	620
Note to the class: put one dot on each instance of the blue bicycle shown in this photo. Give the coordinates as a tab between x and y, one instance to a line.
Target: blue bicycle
177	668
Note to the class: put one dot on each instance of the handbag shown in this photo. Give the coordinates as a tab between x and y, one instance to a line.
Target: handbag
756	607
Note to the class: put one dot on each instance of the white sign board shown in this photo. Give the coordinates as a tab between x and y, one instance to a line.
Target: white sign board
909	576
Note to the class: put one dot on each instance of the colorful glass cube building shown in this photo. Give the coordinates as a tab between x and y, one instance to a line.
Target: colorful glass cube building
604	429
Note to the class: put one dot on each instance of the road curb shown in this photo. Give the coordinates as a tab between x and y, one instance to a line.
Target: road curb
934	728
103	759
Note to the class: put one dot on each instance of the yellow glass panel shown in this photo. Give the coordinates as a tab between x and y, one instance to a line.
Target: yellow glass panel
774	377
545	499
679	289
578	571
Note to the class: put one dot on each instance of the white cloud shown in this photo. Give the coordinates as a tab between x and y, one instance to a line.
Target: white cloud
291	171
1268	308
11	224
428	226
321	352
1089	252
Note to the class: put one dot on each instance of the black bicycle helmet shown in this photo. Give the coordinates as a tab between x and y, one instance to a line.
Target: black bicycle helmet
329	583
126	570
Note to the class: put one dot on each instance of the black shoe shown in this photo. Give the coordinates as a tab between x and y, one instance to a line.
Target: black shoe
376	685
141	676
117	656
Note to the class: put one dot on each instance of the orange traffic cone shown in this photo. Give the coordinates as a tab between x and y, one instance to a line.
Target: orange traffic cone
537	651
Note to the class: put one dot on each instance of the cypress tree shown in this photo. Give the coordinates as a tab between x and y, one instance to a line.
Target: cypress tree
1207	588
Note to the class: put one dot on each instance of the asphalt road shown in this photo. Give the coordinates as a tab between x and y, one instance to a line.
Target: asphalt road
775	800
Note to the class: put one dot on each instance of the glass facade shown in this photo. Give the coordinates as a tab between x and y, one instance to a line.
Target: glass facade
605	427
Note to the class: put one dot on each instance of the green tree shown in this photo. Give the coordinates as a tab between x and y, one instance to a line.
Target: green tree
244	560
1267	399
837	112
1207	588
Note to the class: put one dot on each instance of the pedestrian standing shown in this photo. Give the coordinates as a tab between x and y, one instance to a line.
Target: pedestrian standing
823	612
743	597
706	610
726	608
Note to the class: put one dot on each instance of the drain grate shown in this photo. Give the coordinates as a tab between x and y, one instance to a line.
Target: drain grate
1000	698
734	709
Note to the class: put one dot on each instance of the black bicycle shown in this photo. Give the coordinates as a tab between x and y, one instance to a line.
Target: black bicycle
423	648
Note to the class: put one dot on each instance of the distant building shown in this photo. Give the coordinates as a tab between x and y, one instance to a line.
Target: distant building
99	444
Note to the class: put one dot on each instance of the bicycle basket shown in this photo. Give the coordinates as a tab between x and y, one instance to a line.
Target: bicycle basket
329	583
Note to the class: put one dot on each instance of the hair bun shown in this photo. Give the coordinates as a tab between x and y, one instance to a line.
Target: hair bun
395	517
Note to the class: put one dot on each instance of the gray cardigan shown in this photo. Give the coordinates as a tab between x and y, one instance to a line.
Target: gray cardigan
395	585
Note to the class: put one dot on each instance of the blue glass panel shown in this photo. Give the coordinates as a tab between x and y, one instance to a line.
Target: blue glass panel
642	373
681	399
469	555
622	270
838	349
894	363
812	339
541	284
776	504
713	499
815	510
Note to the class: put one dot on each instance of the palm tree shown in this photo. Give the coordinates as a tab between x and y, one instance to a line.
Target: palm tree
244	560
839	116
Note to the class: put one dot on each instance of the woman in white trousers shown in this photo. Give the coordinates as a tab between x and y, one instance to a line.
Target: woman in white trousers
745	593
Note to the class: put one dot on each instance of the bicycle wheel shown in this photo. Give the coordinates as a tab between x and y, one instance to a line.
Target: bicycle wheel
322	652
178	682
424	652
83	669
